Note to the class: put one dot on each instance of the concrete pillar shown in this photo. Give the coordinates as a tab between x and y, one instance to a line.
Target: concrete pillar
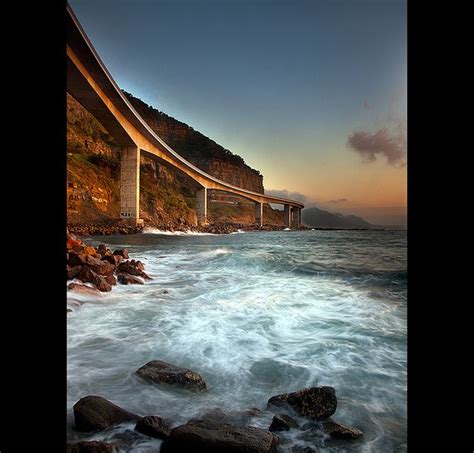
287	215
259	214
130	185
201	206
296	217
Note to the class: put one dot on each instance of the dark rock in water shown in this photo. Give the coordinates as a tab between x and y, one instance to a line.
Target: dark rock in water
339	431
239	418
76	259
122	252
159	372
89	276
72	271
282	422
83	289
96	413
313	402
133	268
153	426
91	447
127	279
303	449
68	310
206	436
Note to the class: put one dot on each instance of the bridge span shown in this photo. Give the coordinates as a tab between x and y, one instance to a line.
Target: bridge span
91	84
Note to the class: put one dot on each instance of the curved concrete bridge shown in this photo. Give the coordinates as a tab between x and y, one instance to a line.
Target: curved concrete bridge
91	84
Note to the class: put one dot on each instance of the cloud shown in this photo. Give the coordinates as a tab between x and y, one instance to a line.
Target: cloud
286	194
339	200
389	141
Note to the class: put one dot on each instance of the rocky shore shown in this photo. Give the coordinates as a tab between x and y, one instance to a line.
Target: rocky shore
117	228
303	415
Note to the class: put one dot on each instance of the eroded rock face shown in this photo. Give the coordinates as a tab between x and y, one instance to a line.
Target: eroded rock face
89	276
153	426
93	413
203	436
282	422
83	289
313	402
160	372
91	447
340	431
133	267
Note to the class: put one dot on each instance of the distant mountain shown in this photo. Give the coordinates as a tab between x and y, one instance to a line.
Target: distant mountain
317	218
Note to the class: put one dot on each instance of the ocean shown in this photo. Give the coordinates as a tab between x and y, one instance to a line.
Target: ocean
256	314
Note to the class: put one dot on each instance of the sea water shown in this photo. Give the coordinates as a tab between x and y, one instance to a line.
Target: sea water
256	314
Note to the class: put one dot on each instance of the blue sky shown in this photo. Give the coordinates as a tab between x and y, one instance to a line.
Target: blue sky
281	83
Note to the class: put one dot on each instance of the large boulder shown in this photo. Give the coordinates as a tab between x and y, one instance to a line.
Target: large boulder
153	426
313	402
160	372
93	413
113	259
89	276
93	446
122	252
340	431
207	436
72	271
282	422
133	267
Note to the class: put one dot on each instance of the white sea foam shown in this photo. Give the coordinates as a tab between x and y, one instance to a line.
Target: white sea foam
149	230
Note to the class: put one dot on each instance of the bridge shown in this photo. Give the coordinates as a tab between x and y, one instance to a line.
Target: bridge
91	84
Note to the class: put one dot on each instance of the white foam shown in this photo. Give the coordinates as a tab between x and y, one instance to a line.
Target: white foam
150	230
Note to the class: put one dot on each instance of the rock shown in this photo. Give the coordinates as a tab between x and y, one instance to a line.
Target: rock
103	250
203	436
153	426
68	310
113	259
76	259
96	413
89	276
72	271
83	289
313	402
91	447
111	280
282	422
303	449
160	372
127	279
122	252
91	251
133	268
339	431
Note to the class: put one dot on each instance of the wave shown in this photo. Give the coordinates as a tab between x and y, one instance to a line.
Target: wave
150	230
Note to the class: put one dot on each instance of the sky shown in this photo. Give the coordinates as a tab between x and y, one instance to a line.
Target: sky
312	93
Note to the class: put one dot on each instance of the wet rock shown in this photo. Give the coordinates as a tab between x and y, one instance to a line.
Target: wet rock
153	426
203	436
96	413
160	372
83	289
111	280
103	251
240	418
68	310
122	252
313	402
303	449
283	422
127	279
89	276
72	271
76	259
113	259
91	447
100	267
133	267
340	431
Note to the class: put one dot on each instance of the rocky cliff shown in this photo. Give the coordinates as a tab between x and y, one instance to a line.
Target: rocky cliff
167	198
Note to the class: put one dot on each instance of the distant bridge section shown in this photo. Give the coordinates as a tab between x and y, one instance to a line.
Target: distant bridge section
91	84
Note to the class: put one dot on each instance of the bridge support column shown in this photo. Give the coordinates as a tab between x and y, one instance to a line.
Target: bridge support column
287	215
201	206
296	217
130	185
259	214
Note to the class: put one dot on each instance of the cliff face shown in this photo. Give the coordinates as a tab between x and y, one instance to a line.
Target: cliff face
167	198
